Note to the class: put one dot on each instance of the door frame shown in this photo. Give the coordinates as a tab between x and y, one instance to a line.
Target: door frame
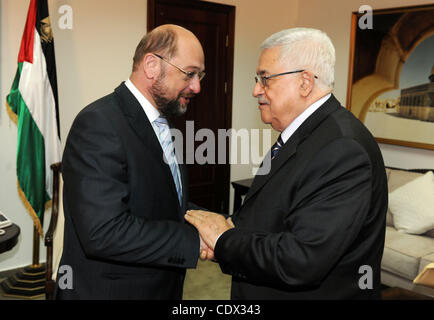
230	11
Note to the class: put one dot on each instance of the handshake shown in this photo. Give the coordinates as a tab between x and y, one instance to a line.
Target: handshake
210	226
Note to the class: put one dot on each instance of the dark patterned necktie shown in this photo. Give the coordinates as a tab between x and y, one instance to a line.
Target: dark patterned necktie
276	147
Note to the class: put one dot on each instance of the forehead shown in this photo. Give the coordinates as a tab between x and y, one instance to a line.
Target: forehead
269	61
190	53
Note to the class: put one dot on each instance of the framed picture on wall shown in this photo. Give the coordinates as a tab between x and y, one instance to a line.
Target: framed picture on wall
391	74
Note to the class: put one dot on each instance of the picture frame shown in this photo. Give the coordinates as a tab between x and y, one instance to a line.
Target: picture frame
391	74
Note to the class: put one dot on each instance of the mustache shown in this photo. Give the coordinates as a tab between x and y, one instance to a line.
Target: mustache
187	95
263	100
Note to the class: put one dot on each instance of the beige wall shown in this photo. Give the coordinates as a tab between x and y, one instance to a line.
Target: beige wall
96	55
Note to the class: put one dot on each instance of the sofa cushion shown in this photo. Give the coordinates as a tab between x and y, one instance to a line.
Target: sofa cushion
396	179
412	205
389	218
426	260
403	252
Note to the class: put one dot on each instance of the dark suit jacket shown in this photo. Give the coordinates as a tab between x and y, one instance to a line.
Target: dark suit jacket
305	229
125	235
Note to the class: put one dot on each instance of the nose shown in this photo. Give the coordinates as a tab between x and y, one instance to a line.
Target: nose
257	90
195	85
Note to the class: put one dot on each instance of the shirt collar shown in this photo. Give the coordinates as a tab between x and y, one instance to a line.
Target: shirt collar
151	112
289	131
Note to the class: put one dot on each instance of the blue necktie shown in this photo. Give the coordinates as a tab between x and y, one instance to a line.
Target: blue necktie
276	147
166	142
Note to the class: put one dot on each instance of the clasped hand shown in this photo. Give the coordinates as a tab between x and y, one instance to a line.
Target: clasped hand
210	226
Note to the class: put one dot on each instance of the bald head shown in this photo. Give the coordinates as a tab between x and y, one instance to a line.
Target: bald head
164	40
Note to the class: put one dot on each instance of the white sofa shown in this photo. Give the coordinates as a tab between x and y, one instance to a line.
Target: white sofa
405	255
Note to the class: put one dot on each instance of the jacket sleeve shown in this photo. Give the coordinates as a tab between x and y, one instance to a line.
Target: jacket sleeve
96	190
327	212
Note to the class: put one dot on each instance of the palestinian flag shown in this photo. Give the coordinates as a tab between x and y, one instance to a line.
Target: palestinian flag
33	105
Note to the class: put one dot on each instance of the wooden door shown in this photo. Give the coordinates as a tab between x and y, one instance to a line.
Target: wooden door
213	24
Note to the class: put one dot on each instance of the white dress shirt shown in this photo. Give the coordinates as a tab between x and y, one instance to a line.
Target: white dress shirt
149	109
289	131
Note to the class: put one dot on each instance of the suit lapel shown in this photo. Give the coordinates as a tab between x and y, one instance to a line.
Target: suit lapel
138	120
290	147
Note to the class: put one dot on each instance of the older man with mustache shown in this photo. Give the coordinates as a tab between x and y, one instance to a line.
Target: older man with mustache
307	227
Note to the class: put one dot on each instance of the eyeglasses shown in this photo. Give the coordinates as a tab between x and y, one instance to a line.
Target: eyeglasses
263	79
190	74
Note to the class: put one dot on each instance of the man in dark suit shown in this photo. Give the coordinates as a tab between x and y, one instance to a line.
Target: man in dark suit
125	194
313	227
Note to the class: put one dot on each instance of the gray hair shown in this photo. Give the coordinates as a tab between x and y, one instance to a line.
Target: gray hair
305	48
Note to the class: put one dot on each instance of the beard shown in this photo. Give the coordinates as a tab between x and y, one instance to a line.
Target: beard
168	107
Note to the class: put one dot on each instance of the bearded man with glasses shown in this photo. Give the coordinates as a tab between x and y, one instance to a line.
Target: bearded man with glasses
125	193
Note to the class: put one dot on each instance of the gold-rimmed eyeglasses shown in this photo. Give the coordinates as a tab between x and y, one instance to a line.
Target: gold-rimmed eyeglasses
190	74
263	79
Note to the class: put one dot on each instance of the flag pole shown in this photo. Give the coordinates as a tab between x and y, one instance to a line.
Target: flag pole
35	260
36	62
28	282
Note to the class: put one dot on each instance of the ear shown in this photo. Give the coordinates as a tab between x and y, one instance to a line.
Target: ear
151	66
307	83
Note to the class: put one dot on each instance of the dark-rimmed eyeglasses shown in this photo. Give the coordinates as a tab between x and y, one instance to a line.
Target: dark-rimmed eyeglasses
263	79
190	74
